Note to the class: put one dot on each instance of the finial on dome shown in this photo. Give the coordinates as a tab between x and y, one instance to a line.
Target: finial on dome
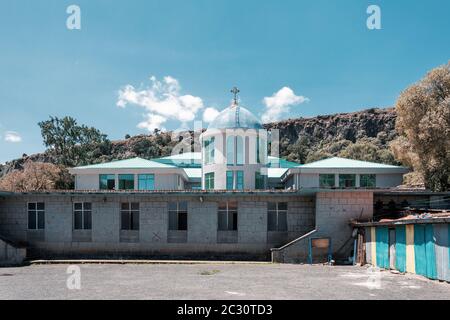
235	92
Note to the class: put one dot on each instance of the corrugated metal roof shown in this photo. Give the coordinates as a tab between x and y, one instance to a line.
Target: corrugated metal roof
134	163
337	162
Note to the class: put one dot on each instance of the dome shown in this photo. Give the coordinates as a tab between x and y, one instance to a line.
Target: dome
235	117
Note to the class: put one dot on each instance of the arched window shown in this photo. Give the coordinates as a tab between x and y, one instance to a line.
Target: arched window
230	150
239	151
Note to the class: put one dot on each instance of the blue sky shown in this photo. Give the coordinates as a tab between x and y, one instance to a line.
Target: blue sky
321	51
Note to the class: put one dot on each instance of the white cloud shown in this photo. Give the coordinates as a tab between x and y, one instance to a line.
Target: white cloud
210	114
153	121
279	104
162	101
12	136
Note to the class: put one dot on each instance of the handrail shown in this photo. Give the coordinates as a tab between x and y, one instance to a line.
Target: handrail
294	241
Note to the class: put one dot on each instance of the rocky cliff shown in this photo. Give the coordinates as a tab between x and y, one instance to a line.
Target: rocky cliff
301	139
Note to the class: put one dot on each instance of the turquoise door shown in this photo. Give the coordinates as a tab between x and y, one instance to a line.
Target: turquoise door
400	248
382	239
425	257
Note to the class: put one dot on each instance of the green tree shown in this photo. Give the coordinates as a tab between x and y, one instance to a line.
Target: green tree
423	126
299	150
72	144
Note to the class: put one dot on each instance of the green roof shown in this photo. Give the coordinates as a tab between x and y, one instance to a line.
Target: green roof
183	160
282	163
336	162
134	163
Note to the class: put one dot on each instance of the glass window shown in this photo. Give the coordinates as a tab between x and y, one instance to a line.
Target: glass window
227	216
277	216
259	181
178	215
36	216
230	150
146	182
367	181
126	181
239	151
107	182
129	216
209	181
230	180
209	150
347	180
82	216
240	180
326	180
260	149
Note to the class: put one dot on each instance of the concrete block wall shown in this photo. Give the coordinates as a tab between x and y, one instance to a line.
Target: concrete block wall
59	239
202	223
334	210
11	255
154	221
252	220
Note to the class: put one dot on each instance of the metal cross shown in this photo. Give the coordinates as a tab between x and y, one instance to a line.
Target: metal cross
235	92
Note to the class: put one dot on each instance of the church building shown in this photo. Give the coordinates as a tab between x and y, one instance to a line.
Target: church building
231	200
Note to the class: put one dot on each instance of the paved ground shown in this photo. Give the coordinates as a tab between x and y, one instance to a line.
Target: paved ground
216	281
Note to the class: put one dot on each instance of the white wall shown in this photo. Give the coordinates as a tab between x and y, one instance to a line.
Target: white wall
311	180
162	181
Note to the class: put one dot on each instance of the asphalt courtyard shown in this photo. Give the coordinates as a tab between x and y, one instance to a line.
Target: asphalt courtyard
213	281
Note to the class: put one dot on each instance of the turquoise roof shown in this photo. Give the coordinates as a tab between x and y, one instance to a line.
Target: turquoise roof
183	160
235	117
336	162
275	162
133	163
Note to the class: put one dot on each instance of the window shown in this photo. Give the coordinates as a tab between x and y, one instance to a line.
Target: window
227	219
260	149
230	150
347	180
230	180
259	181
178	215
277	216
209	150
368	181
82	216
36	216
209	181
107	182
258	158
326	180
240	180
146	182
126	181
129	216
239	151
